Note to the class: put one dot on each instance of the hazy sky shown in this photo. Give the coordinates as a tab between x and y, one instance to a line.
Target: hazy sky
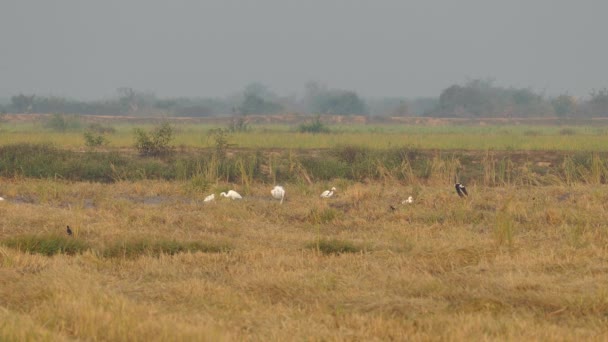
87	49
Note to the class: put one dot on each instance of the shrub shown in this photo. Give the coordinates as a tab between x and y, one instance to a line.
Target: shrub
567	131
47	244
335	246
220	138
238	124
143	247
154	143
93	140
316	216
46	161
315	126
62	123
99	128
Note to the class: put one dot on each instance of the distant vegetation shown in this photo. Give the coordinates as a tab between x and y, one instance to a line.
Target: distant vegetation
475	98
353	163
315	126
156	142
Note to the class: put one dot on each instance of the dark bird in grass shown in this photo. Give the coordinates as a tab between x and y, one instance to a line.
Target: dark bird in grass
461	190
69	231
393	208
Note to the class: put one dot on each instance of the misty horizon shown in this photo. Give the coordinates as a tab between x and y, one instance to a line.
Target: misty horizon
378	49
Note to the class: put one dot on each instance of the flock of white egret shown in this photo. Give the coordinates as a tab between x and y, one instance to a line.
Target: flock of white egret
278	193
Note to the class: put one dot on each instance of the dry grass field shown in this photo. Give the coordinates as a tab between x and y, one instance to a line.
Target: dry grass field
149	260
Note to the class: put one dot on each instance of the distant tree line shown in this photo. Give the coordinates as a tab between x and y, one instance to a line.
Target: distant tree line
475	98
255	99
479	98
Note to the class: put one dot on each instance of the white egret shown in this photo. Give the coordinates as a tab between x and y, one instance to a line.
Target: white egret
409	200
278	193
328	193
209	198
231	194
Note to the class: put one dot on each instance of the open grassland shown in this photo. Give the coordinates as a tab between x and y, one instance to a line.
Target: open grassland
374	136
525	257
150	261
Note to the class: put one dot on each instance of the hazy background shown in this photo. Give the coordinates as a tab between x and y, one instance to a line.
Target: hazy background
86	49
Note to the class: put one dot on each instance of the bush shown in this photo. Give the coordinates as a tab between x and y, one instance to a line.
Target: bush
335	246
144	247
99	128
567	131
47	244
62	123
94	140
315	126
238	124
154	143
316	216
326	168
220	138
46	161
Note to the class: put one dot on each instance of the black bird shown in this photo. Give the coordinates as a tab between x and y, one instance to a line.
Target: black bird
69	231
393	207
461	190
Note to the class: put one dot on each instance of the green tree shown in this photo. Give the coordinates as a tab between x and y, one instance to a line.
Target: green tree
254	104
564	105
22	103
479	98
598	103
340	102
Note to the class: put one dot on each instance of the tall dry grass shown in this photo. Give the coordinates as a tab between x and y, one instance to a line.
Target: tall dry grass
509	262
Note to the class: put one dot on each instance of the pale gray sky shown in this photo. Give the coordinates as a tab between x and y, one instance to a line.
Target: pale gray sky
87	49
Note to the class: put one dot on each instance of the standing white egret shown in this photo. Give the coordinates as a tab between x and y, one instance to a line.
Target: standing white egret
209	198
278	193
231	194
328	193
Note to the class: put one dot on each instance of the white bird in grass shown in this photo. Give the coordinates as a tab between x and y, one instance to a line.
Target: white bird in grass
209	198
1	199
328	193
409	200
278	193
231	194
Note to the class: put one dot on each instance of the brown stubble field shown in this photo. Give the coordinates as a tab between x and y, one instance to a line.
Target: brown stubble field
508	263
